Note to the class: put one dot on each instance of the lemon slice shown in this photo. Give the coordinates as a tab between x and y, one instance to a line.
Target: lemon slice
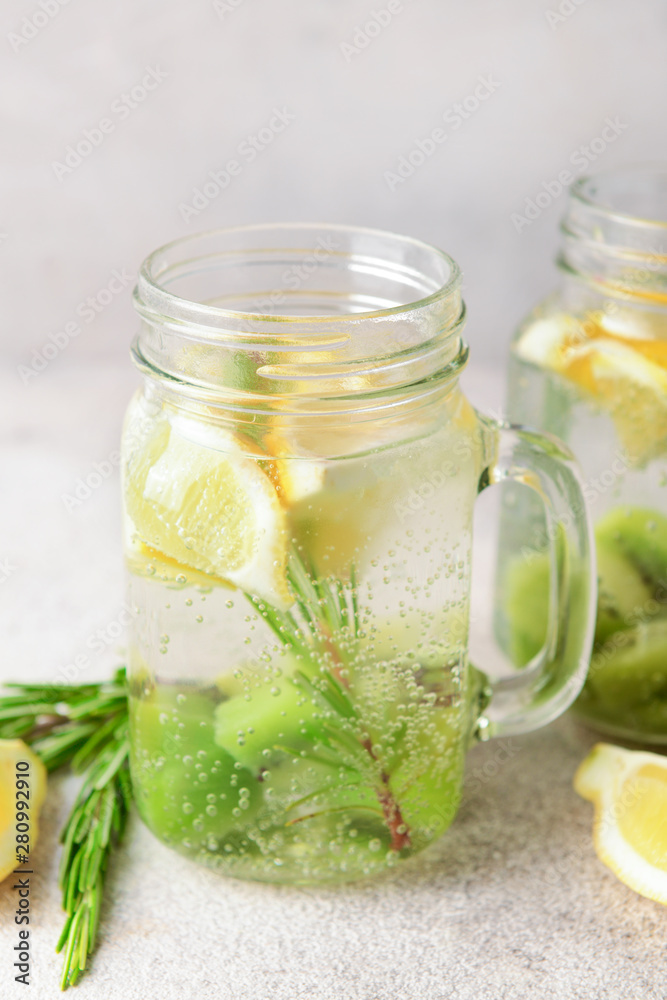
634	390
646	327
629	789
11	753
626	377
198	501
546	342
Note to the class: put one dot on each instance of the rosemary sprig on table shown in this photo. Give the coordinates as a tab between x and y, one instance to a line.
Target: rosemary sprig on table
83	727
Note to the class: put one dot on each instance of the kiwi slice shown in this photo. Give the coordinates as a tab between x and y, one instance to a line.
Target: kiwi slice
269	723
310	758
640	535
630	669
621	590
187	787
647	721
631	548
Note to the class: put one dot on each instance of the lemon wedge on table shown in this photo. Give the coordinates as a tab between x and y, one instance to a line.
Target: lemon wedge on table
629	789
625	376
11	753
199	502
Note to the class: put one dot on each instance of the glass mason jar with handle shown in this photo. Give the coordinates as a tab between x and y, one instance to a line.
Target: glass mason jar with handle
590	365
300	469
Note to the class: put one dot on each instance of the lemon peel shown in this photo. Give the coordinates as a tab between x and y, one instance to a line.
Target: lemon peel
11	753
629	790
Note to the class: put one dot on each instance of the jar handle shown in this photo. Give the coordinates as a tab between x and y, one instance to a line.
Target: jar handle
552	679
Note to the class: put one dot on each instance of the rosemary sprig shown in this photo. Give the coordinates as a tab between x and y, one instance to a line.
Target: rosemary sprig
330	634
84	727
63	724
94	828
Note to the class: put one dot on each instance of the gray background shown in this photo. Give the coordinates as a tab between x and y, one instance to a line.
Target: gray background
227	68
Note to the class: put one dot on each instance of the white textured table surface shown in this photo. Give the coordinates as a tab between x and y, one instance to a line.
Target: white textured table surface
512	903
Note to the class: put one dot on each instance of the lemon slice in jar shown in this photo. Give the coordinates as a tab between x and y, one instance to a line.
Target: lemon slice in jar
634	390
625	377
629	790
199	501
553	342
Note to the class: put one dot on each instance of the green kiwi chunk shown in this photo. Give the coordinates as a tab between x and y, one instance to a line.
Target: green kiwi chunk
630	669
640	535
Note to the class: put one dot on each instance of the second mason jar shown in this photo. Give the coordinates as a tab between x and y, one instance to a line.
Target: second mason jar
590	364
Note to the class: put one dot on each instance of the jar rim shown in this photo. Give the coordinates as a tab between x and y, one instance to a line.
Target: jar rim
615	233
586	191
310	331
159	299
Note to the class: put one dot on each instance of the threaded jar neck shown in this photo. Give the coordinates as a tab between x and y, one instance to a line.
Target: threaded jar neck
300	315
615	234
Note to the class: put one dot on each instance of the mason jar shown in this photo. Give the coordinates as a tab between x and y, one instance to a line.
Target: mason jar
590	365
300	468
